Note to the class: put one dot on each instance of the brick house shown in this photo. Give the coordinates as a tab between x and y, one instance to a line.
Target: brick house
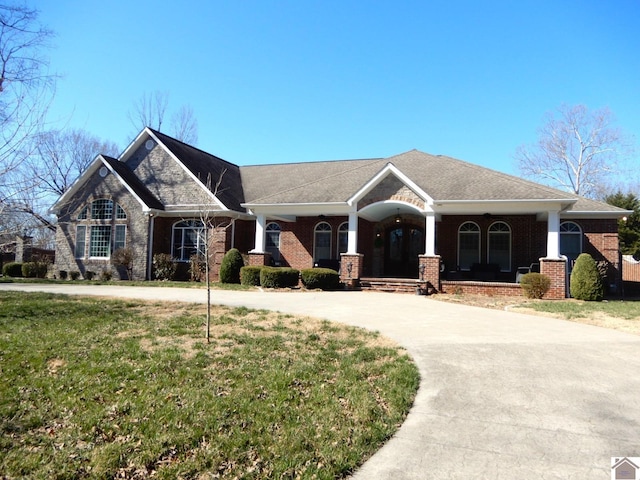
414	216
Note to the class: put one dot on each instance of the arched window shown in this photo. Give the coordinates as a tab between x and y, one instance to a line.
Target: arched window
343	238
322	242
499	246
272	244
570	241
105	233
468	245
188	239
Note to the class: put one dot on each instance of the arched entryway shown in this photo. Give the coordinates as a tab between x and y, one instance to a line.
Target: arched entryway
403	243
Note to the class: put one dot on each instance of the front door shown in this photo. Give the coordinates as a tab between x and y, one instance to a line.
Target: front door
403	245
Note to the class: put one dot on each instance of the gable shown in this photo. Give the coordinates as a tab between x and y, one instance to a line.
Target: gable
391	188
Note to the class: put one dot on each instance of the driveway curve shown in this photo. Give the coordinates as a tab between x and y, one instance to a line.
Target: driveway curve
502	395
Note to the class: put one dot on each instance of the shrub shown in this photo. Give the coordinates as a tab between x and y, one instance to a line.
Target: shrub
89	275
34	269
250	275
586	282
164	268
279	277
122	259
74	274
535	285
197	268
106	275
322	278
63	274
12	269
232	262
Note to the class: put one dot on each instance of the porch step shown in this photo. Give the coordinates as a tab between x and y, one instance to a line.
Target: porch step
392	285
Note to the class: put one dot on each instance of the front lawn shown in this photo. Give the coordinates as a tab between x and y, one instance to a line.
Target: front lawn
95	388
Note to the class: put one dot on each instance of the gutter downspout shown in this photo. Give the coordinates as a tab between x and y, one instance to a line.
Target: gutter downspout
150	246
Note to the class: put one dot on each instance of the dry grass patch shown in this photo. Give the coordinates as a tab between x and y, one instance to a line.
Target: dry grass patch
95	388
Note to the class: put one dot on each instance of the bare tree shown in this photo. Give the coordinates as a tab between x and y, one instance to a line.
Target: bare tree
213	220
26	90
577	150
184	125
150	111
60	157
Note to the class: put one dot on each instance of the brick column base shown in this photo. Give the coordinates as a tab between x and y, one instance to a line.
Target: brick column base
556	270
351	269
429	271
258	259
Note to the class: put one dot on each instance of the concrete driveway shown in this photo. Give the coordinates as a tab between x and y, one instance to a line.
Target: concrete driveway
502	395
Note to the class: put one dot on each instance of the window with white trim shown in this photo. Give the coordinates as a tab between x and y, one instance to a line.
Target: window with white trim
499	245
468	245
272	241
322	242
570	241
188	240
99	232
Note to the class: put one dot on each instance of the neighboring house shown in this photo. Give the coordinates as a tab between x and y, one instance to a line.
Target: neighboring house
428	218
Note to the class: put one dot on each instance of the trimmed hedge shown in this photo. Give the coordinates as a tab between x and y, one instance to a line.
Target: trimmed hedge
12	269
250	276
230	267
586	282
279	277
535	285
34	270
322	278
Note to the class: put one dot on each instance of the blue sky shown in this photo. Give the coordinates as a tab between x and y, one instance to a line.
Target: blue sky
288	81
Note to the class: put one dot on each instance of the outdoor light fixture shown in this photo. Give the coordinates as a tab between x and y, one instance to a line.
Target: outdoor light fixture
422	266
349	267
398	217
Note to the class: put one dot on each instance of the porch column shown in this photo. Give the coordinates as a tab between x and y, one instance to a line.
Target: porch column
553	234
430	234
259	242
257	256
352	236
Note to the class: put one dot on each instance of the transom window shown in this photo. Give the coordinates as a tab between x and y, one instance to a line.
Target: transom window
99	232
322	242
272	243
499	245
468	245
188	240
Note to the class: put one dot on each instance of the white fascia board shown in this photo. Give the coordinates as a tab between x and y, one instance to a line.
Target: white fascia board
300	209
188	172
186	213
501	206
97	163
135	144
617	215
389	168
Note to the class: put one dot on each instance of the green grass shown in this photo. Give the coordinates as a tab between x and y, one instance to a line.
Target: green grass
91	388
139	283
571	309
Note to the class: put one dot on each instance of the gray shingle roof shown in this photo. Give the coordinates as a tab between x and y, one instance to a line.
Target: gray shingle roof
204	165
134	182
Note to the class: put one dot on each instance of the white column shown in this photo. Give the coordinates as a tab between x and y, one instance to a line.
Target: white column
352	237
259	242
553	234
430	234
